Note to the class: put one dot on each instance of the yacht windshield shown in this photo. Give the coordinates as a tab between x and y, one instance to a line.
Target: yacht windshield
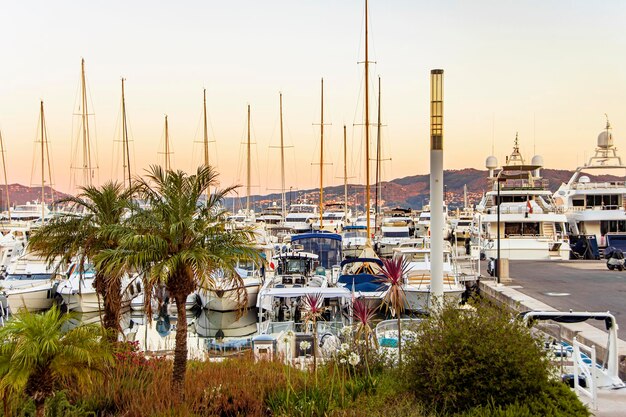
396	234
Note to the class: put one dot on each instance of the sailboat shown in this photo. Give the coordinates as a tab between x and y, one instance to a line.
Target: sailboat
30	279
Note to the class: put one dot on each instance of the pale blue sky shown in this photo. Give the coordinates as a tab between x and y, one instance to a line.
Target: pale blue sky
547	69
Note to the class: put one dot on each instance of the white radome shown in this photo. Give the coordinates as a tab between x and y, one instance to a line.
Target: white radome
537	160
491	162
605	140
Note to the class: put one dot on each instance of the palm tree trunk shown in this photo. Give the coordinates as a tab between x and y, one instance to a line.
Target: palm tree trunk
180	351
40	407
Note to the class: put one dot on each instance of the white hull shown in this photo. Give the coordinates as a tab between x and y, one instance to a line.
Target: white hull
227	300
34	298
418	299
529	249
87	302
209	323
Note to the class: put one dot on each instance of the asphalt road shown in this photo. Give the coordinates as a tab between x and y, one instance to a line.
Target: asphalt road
575	285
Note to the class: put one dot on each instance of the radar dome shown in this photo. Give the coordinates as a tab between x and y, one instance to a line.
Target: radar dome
605	140
537	160
584	180
491	162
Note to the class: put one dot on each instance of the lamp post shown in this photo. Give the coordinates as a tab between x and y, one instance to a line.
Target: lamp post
498	237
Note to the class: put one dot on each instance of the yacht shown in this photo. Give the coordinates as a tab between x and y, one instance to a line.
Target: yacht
354	239
334	218
271	215
594	206
531	226
28	211
300	217
461	224
30	283
397	227
422	227
225	294
418	279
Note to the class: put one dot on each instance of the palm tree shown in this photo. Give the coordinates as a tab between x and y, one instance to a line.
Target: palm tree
83	233
37	356
393	272
179	244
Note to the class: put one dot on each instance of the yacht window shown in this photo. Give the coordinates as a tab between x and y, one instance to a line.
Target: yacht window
27	277
521	229
396	234
609	201
612	226
578	202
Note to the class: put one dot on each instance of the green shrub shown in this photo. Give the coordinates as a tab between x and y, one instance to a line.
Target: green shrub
463	359
556	400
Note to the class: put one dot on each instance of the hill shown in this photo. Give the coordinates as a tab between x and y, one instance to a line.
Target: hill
21	194
414	191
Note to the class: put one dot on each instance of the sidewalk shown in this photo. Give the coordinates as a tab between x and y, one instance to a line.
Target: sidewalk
611	403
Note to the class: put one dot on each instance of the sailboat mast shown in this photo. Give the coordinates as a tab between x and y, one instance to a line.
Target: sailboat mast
283	202
6	182
248	168
168	162
322	160
206	142
345	174
377	205
85	119
125	147
367	130
43	184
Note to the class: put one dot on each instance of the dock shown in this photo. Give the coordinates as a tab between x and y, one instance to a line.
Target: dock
563	286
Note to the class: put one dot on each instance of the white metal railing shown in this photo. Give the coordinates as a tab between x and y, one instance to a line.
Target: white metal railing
588	369
599	208
598	185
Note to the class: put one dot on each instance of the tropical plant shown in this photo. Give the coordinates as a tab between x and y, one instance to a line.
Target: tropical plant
179	244
37	356
82	233
313	310
393	272
363	315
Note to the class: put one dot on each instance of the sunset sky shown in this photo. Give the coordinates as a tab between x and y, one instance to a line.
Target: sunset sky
549	70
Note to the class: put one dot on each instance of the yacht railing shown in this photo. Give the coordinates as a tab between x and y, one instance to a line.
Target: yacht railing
598	185
584	208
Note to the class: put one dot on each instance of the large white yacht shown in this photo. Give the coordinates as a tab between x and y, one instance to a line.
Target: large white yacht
596	207
530	225
300	217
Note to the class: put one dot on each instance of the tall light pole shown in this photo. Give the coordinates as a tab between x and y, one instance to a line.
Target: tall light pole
436	186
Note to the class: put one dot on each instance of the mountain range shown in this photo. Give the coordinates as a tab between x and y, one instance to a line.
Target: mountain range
412	191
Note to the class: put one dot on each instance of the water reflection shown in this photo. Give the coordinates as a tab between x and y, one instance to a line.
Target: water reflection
208	332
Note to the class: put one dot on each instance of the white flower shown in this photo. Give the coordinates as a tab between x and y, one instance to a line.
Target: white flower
361	342
305	345
342	361
354	359
289	333
346	331
344	347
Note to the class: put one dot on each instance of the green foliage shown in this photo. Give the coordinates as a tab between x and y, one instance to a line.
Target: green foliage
464	359
38	356
555	400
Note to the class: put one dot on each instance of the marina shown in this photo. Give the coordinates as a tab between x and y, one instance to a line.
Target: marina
391	280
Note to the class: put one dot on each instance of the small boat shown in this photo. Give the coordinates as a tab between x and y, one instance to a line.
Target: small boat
220	324
354	240
362	277
30	284
418	280
226	294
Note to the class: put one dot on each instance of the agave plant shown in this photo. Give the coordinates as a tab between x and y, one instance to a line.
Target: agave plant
314	308
393	272
362	315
